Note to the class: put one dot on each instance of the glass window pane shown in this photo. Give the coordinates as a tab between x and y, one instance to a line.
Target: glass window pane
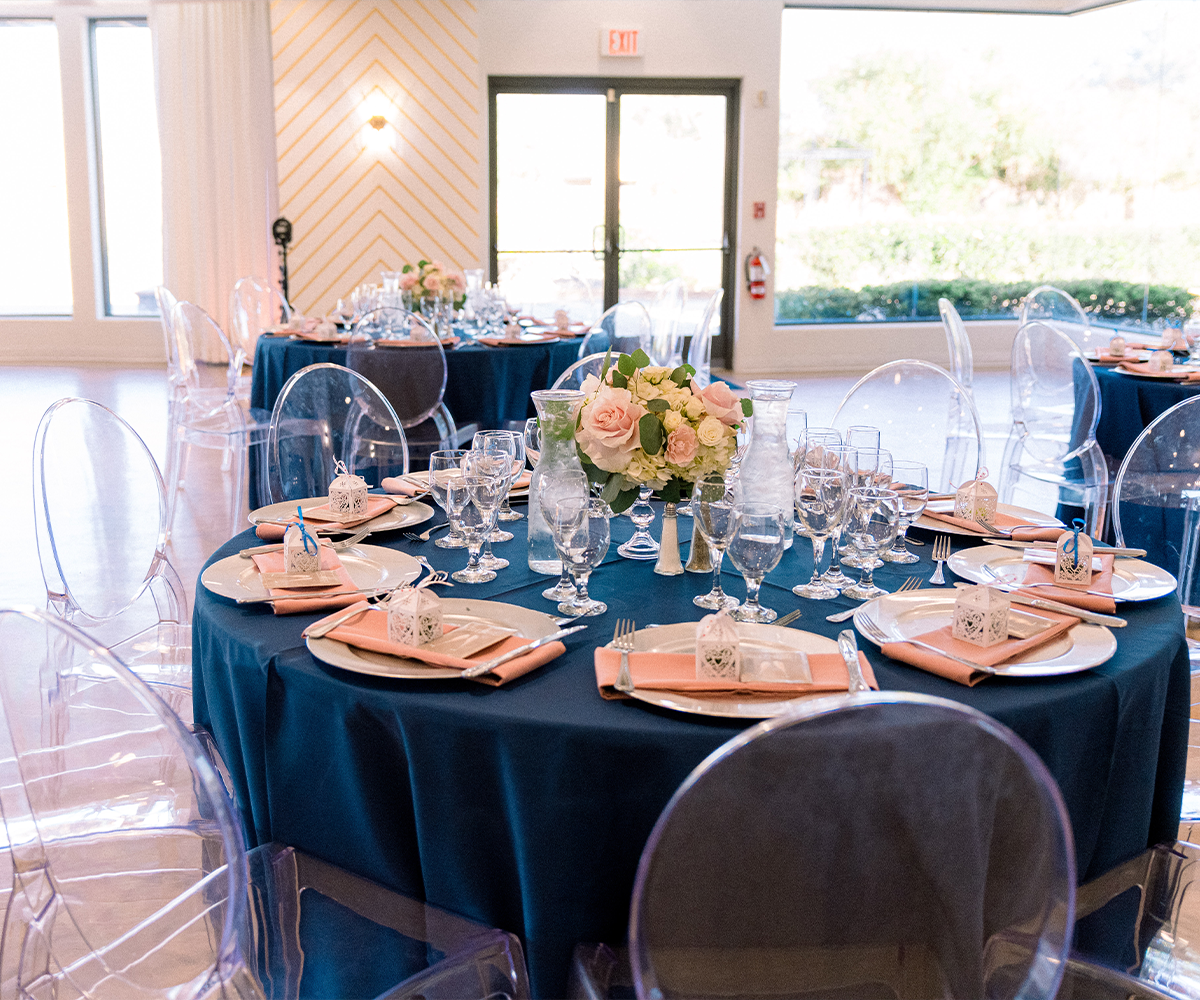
35	255
130	166
973	156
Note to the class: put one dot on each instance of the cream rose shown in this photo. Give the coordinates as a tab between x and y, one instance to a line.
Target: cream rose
671	420
681	445
608	430
694	408
710	431
720	402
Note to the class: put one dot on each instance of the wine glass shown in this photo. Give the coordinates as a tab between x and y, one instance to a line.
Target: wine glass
862	436
562	485
441	464
494	464
518	466
533	442
581	535
871	520
474	498
502	444
821	494
713	508
873	467
910	480
755	548
797	433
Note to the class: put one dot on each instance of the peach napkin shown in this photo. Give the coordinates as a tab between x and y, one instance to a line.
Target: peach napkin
1074	594
376	505
1001	521
1143	368
417	482
369	631
677	672
532	338
990	656
413	342
272	562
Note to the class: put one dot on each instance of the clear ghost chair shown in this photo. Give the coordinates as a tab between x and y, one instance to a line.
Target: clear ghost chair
872	845
624	328
700	349
1055	409
573	377
962	365
666	314
324	414
923	415
575	296
1062	310
127	873
255	305
206	419
100	512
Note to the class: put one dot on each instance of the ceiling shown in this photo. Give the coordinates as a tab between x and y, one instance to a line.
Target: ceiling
976	6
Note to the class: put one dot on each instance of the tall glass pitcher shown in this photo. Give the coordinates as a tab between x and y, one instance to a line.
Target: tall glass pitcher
557	410
766	470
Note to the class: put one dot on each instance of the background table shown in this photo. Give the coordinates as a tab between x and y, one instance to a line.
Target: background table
1128	405
527	806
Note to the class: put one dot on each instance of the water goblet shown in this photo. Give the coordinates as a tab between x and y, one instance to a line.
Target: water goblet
533	442
713	509
441	464
797	433
565	484
496	466
871	519
910	480
581	535
821	494
474	499
862	436
641	544
502	445
755	548
873	468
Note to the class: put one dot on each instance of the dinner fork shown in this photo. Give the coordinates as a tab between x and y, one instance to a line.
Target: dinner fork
873	632
941	552
623	640
912	583
787	619
424	535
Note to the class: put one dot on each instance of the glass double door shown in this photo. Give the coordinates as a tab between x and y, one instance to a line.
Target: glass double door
604	191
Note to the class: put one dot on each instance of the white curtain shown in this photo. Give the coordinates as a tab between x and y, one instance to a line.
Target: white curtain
216	125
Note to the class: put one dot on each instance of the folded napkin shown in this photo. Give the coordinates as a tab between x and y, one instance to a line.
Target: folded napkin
990	656
376	505
1177	372
529	338
1001	521
414	342
677	672
1073	594
369	631
418	482
272	562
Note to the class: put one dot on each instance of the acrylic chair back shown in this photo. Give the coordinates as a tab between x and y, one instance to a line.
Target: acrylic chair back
923	414
623	328
1156	494
573	377
1049	304
700	349
128	874
667	316
255	305
326	413
869	845
192	327
411	373
962	364
166	301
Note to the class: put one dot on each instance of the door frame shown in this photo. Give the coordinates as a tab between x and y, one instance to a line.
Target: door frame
730	88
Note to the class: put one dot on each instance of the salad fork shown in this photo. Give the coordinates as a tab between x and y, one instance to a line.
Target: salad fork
912	583
873	632
941	552
623	640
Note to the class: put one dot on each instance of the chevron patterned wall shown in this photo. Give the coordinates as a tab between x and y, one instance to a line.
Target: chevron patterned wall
360	200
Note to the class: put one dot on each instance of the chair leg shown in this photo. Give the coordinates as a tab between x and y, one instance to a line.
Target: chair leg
179	451
1010	466
238	485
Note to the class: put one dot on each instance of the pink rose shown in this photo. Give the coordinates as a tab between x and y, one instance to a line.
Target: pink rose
608	430
433	284
408	281
720	402
681	445
453	281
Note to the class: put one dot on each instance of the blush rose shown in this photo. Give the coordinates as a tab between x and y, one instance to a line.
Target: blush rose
720	402
608	429
681	445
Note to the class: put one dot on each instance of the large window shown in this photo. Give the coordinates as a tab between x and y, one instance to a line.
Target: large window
35	245
973	156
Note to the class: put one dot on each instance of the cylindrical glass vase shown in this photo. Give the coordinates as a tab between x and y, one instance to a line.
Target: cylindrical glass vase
766	468
557	410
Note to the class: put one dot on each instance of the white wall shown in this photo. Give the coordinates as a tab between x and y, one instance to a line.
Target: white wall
681	38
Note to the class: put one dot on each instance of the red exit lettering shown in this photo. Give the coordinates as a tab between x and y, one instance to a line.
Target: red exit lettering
622	42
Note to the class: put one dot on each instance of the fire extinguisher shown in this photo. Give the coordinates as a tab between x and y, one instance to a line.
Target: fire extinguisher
757	270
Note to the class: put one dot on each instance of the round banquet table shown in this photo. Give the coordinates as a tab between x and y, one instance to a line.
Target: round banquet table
526	807
1128	404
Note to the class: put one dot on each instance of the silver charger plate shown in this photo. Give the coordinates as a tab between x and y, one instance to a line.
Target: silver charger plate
681	638
1132	579
1035	518
908	615
368	565
401	516
529	624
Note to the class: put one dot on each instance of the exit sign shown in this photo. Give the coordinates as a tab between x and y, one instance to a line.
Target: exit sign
625	42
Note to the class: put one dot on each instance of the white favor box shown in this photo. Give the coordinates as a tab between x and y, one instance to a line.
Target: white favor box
348	495
414	616
981	616
297	559
718	653
1071	567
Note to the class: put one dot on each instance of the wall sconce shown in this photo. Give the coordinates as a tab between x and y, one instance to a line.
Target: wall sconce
377	122
378	112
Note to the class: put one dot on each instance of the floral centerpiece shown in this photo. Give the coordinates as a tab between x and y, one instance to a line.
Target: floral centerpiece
431	278
643	425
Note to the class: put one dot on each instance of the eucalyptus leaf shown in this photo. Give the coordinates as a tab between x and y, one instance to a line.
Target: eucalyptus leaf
607	364
679	376
622	501
619	381
747	406
640	358
651	432
611	490
625	365
658	405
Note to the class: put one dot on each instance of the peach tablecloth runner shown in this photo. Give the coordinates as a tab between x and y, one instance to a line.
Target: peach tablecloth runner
677	672
272	562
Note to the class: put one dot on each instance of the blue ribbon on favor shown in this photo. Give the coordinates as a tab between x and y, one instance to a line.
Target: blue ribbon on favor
306	537
1073	545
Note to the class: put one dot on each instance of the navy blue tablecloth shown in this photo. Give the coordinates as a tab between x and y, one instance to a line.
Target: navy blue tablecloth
1129	404
527	806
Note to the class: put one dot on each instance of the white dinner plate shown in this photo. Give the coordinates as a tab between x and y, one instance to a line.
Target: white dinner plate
1035	518
1132	579
908	615
681	638
237	578
529	624
400	516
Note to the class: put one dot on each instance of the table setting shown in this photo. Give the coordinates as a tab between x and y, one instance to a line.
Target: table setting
561	757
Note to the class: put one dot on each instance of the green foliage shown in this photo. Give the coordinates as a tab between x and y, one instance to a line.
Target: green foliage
646	269
747	406
657	405
650	432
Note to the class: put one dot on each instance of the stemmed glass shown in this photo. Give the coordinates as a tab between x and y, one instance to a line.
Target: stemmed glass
871	521
565	484
821	493
441	465
873	467
713	508
581	535
504	444
755	548
494	464
910	480
641	544
797	433
474	497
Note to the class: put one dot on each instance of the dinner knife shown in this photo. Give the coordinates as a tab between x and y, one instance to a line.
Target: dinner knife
512	654
1050	547
848	647
1063	609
